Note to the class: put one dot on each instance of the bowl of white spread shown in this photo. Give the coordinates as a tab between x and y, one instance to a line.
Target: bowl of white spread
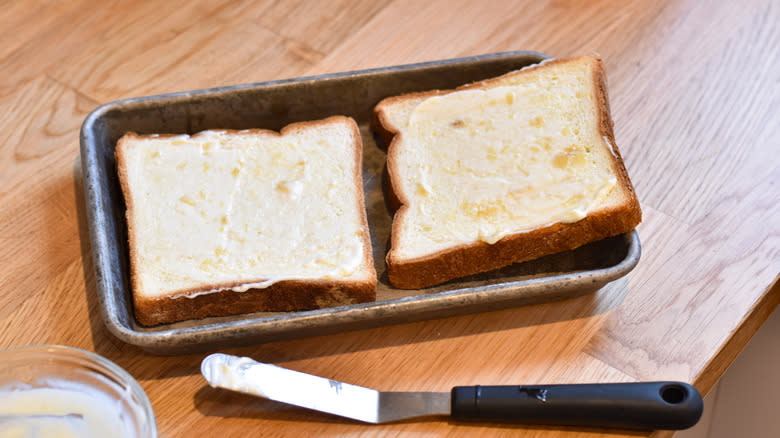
51	390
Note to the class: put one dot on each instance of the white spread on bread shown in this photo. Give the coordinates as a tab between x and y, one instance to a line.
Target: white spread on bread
480	164
227	208
611	147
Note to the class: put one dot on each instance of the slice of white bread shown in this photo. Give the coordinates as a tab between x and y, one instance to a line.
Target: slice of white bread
230	222
502	171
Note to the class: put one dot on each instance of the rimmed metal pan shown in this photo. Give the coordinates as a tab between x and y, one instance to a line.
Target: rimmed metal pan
272	105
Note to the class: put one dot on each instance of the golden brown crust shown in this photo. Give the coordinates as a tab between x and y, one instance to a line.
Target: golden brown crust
477	257
368	258
121	164
482	257
285	295
606	125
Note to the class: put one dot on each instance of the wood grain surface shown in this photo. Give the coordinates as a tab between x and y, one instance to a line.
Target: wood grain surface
694	89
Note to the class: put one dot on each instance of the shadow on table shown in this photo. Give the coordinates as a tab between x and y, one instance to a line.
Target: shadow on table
212	402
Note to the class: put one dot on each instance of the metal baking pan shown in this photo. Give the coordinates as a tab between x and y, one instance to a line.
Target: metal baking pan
272	105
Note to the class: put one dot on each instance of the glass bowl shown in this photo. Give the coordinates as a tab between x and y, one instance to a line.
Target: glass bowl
71	392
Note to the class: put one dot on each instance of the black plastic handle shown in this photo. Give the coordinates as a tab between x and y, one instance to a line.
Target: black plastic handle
647	405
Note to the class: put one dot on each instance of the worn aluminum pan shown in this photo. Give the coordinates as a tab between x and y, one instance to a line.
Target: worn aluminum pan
272	105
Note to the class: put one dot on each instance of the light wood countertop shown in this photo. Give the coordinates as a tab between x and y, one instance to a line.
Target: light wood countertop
694	94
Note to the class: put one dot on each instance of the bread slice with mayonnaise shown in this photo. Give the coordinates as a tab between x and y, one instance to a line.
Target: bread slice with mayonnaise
502	171
229	222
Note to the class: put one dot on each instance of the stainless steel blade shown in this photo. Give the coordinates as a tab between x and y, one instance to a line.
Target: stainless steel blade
247	376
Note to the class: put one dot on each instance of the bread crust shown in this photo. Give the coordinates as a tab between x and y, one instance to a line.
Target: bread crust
476	257
284	295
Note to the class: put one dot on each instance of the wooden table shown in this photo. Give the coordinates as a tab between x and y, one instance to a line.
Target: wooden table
694	94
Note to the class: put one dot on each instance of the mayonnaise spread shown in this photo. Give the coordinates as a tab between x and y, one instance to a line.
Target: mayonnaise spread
221	207
479	164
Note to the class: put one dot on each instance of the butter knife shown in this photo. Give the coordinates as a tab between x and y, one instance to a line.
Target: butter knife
644	405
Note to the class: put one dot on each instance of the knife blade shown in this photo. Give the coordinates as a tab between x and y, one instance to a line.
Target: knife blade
642	405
